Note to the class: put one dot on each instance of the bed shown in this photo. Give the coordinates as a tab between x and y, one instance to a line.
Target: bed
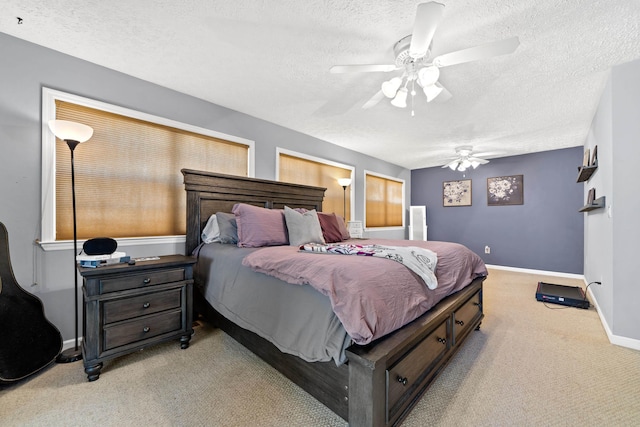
374	384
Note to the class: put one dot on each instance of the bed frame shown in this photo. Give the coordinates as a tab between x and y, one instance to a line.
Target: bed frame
382	381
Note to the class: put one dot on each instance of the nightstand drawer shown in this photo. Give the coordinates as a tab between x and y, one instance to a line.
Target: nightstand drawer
146	327
136	281
128	308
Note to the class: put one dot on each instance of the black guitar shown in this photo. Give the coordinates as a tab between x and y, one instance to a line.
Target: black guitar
28	341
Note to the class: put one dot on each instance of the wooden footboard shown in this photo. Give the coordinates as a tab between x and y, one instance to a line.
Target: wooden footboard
387	377
382	381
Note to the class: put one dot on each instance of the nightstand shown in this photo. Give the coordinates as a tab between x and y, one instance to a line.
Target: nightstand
130	307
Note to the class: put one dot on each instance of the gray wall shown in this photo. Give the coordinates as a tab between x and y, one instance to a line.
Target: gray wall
26	68
612	234
545	233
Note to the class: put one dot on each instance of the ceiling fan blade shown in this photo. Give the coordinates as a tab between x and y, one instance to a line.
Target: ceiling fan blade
475	53
374	100
479	160
337	69
428	16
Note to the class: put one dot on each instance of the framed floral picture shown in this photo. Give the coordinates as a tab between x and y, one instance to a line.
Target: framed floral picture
456	193
505	190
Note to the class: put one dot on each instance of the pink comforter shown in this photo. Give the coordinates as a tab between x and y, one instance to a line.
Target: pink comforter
371	296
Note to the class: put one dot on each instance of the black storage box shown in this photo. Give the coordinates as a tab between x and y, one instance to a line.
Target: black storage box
572	296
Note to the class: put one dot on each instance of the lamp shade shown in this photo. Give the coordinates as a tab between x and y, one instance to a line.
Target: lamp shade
390	87
344	182
428	76
431	92
70	131
400	100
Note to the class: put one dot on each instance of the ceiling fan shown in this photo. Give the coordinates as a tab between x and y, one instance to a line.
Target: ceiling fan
413	57
464	160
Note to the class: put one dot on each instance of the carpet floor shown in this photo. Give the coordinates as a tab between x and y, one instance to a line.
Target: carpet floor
530	364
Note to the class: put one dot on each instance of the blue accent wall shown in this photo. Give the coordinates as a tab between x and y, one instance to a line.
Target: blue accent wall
544	233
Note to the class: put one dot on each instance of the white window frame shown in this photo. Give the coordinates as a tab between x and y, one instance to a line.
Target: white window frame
391	178
280	150
49	97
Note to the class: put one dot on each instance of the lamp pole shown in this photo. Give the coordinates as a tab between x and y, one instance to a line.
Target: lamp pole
344	183
344	202
73	354
73	134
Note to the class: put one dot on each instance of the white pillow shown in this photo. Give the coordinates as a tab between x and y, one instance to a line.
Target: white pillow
211	232
303	227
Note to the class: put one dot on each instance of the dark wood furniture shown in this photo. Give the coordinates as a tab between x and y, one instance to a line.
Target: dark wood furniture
129	307
598	203
381	381
585	172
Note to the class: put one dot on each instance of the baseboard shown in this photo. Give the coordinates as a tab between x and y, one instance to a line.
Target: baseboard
631	343
540	272
71	343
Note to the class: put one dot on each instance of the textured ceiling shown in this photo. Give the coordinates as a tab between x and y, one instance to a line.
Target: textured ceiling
271	58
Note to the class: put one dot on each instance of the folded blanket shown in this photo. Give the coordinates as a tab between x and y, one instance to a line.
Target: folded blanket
419	260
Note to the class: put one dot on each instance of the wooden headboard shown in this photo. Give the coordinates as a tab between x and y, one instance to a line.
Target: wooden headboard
208	193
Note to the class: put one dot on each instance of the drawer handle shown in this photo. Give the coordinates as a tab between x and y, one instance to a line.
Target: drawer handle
146	305
146	281
459	322
402	380
476	304
442	340
146	329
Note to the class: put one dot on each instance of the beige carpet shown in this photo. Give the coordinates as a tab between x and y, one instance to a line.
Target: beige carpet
530	364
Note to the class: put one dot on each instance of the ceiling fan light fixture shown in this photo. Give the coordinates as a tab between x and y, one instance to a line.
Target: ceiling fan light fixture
431	92
464	160
428	76
400	100
390	87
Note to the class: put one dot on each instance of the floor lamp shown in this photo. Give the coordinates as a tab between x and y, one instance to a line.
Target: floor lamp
73	134
344	182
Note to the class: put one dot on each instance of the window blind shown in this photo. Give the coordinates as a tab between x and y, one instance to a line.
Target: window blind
384	201
128	179
309	172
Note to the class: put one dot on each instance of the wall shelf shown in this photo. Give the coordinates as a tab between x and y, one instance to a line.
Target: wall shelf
585	172
599	203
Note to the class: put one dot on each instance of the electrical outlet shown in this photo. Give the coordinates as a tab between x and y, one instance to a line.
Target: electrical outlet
487	250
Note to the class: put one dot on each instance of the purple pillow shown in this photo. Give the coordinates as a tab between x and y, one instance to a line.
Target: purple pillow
330	228
260	226
343	228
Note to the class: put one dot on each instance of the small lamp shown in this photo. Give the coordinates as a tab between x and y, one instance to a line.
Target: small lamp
390	88
431	92
400	100
344	183
73	134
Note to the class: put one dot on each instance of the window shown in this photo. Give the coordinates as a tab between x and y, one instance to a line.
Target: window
302	169
384	201
127	176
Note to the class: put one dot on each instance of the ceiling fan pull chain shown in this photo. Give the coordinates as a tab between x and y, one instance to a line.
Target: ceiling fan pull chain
413	93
